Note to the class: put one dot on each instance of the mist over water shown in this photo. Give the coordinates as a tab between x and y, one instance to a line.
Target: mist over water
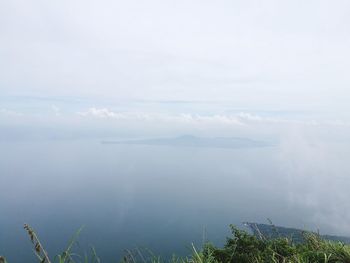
183	83
163	197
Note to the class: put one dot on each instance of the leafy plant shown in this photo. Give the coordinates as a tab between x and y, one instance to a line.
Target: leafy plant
240	247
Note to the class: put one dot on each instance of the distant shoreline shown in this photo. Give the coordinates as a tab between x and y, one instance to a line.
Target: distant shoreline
198	142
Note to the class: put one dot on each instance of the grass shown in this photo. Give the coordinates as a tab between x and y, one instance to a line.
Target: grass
240	247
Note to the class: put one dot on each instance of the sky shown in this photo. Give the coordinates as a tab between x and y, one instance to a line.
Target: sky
174	59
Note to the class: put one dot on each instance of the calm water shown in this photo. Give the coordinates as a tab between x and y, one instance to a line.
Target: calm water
157	197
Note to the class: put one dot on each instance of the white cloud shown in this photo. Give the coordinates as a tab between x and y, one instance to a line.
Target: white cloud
99	113
104	113
10	113
56	110
238	119
212	119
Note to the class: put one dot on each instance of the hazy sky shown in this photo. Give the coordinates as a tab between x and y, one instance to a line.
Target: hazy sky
261	54
203	62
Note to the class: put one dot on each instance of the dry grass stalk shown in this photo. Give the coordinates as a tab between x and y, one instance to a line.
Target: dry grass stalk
39	249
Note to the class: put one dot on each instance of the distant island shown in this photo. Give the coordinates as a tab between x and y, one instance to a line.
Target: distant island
200	142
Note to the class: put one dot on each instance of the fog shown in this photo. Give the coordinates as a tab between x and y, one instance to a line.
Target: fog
58	175
75	74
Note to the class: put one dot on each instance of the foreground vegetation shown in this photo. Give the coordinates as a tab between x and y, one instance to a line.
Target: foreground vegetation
241	247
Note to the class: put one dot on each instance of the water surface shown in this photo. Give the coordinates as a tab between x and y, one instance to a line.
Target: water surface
159	197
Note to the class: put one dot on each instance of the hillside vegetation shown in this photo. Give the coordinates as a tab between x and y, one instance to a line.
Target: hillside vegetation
240	247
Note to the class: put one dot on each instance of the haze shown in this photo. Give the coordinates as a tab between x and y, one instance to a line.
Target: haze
76	73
